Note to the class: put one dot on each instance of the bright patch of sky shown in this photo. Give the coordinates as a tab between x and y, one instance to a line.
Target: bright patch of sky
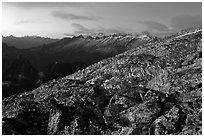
57	20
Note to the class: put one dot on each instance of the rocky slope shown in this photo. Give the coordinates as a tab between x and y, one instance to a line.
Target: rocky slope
152	89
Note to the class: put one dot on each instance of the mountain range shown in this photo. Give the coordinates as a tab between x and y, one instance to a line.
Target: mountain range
151	87
60	58
26	41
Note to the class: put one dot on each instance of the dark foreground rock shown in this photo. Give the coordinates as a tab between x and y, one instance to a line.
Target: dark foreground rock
153	89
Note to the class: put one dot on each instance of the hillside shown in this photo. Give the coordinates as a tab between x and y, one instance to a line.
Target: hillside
154	88
17	73
61	58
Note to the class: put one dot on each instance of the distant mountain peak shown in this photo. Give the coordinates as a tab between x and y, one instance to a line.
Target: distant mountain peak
77	37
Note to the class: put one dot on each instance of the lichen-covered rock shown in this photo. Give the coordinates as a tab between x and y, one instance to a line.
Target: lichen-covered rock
152	89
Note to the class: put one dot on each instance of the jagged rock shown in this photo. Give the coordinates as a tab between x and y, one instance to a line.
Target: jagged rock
142	113
165	123
123	131
152	89
54	122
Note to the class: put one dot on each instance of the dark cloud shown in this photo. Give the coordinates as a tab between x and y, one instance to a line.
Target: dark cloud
24	21
186	21
151	25
44	4
82	30
94	31
68	16
111	30
76	25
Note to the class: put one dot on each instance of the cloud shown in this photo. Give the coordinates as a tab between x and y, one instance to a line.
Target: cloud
29	5
82	30
186	21
68	16
111	30
94	31
28	21
76	25
151	25
24	21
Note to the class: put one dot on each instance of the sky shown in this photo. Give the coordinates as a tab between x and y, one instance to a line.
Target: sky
64	19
